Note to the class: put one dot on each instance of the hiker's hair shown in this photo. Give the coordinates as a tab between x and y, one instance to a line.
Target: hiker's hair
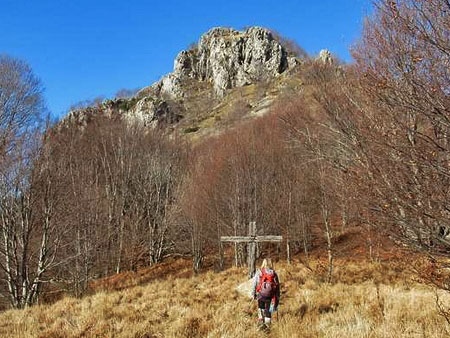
267	263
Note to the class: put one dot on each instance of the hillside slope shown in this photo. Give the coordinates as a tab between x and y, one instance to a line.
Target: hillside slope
206	305
227	75
375	299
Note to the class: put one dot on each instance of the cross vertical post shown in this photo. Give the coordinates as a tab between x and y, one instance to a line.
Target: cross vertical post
251	241
251	257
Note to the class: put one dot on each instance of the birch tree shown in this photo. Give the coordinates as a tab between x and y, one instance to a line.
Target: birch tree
27	249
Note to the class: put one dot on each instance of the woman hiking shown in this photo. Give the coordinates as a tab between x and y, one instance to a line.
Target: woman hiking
266	290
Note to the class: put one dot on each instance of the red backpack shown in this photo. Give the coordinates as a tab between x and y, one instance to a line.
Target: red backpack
267	285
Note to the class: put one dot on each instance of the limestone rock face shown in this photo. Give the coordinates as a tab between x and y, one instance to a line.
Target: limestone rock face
228	58
150	111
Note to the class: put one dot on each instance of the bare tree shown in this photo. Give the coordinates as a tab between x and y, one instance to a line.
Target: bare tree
28	226
384	121
26	185
403	60
21	100
247	175
80	210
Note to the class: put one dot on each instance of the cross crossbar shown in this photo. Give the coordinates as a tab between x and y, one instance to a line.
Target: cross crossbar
250	239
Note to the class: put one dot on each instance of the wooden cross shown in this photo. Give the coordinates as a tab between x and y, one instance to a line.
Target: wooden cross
251	239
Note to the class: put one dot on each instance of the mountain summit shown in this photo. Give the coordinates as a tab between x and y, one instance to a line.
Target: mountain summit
228	58
205	79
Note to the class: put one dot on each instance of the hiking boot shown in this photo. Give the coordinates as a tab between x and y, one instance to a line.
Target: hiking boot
264	327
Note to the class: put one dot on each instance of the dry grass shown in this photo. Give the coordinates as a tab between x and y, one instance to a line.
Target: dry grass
206	305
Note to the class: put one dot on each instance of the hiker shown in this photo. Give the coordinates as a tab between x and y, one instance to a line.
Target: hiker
266	290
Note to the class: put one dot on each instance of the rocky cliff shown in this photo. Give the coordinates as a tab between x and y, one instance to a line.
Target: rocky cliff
228	58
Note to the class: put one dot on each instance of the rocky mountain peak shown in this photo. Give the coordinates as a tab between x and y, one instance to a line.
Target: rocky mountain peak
228	58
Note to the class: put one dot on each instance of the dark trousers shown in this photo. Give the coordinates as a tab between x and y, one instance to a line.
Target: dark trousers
264	306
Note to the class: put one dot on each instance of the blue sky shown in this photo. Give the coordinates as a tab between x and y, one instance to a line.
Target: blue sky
83	49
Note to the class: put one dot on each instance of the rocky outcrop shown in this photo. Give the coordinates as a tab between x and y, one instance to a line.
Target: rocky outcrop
148	111
325	56
151	111
228	58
